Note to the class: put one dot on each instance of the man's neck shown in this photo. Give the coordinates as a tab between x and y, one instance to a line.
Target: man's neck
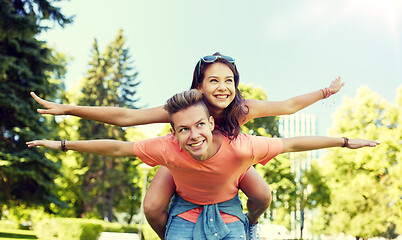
217	139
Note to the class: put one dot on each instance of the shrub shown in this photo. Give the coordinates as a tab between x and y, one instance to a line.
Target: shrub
5	224
117	227
68	229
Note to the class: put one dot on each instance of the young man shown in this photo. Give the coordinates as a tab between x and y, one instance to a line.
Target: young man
206	166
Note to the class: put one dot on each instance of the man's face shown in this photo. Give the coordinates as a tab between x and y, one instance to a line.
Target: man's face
193	129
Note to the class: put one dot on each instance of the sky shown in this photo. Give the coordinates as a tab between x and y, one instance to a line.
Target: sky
287	48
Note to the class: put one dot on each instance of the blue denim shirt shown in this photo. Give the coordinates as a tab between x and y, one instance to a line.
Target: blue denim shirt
210	224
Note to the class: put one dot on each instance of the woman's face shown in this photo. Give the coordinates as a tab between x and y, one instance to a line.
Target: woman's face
218	86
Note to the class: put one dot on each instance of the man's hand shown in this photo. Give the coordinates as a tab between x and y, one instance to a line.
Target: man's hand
358	143
56	145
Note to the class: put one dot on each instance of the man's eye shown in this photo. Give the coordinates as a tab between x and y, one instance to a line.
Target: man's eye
201	124
183	130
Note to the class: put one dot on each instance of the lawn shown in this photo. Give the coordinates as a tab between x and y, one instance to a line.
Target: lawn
12	234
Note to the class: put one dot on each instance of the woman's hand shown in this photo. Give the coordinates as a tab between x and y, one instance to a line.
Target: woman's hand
336	85
51	107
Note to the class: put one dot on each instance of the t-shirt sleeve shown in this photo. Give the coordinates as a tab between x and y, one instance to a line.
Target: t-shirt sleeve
264	149
151	151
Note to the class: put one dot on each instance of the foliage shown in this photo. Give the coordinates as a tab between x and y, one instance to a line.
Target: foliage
26	64
277	171
7	224
365	184
78	228
148	233
281	180
24	217
7	234
68	229
258	126
107	181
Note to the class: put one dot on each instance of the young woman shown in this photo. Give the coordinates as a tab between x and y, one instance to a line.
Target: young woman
216	76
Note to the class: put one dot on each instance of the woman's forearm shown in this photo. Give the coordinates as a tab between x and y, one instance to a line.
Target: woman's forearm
123	117
297	103
300	102
259	108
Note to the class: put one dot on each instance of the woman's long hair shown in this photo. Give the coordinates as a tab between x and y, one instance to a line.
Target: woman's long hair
236	111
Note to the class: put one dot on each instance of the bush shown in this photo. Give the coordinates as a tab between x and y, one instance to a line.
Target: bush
68	229
117	227
148	233
8	224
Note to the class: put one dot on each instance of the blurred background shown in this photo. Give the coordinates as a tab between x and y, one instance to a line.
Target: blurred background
137	54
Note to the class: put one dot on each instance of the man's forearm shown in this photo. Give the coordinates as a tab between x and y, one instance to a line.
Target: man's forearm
298	144
101	147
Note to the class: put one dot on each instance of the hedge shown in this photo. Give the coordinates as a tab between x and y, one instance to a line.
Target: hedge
68	229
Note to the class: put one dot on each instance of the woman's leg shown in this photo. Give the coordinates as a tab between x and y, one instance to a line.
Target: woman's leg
157	199
258	193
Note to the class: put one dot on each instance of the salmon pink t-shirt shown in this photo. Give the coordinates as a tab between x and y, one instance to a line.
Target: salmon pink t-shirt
216	179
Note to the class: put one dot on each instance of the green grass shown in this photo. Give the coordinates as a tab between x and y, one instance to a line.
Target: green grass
11	234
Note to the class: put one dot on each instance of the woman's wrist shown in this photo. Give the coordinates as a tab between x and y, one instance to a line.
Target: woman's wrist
326	92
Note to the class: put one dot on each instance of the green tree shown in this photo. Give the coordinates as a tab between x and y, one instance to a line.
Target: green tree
365	185
26	64
258	126
110	81
277	172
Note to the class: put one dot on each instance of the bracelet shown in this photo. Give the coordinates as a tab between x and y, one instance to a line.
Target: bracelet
63	145
326	92
345	141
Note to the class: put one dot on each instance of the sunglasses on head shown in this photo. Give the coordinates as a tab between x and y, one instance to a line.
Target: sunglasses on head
211	59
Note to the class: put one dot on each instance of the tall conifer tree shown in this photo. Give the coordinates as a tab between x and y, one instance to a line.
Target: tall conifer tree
26	176
110	81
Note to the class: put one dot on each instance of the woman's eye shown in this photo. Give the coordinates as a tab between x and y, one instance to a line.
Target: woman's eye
229	80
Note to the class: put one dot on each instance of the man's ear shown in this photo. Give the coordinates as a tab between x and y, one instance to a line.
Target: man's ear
212	122
173	133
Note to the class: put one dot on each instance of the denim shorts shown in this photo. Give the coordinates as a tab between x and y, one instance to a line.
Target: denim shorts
181	229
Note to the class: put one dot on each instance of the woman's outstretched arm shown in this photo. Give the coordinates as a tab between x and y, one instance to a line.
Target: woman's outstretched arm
258	108
123	117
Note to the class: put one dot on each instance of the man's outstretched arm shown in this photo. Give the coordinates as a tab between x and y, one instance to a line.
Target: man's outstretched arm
298	144
101	147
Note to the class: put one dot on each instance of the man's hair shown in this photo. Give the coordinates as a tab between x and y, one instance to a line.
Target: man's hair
184	100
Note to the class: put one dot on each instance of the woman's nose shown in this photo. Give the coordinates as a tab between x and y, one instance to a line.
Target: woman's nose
221	86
